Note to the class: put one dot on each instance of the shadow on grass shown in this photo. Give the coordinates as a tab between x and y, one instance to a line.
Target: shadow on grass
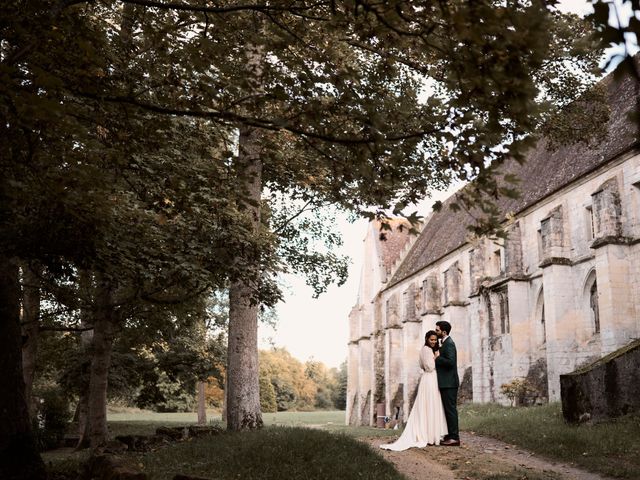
271	453
145	423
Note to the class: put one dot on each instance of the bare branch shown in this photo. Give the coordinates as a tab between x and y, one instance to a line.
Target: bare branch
65	329
255	7
293	217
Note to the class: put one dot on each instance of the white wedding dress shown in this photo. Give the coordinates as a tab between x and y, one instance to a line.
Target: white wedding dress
426	423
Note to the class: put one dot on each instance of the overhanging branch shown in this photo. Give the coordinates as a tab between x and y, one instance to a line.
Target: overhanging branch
231	118
251	7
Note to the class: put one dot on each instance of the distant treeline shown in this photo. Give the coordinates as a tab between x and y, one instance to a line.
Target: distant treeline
288	384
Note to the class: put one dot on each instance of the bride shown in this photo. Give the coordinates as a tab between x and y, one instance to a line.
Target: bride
426	423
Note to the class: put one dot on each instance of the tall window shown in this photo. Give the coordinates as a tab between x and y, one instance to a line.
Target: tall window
497	304
590	228
503	303
446	275
636	191
409	303
541	329
540	249
593	304
497	266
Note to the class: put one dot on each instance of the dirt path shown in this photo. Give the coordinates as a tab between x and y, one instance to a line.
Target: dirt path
479	458
414	463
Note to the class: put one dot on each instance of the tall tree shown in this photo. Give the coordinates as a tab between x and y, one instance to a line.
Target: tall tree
18	454
340	116
30	322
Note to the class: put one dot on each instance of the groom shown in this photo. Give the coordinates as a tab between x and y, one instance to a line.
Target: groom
448	382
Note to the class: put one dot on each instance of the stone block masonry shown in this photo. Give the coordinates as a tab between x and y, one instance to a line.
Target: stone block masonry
607	388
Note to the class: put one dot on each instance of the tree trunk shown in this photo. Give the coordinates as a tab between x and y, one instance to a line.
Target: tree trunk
243	392
100	363
202	403
243	398
86	339
30	329
225	402
19	457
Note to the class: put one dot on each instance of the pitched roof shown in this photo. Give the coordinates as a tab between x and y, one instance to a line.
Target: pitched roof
393	242
545	171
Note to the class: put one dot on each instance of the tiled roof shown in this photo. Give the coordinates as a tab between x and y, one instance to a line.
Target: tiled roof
394	241
545	171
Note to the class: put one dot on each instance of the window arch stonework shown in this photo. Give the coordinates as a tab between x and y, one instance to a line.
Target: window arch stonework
591	303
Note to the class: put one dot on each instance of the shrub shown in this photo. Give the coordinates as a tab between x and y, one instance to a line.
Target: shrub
267	395
51	418
516	390
164	394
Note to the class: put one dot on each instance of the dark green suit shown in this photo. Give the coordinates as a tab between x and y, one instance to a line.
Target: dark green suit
448	383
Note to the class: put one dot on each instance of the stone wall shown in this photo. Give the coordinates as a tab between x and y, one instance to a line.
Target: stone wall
560	291
609	387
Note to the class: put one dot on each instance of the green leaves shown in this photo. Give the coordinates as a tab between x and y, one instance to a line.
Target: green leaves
119	127
621	32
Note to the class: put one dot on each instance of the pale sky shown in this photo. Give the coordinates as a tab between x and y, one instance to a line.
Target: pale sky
318	328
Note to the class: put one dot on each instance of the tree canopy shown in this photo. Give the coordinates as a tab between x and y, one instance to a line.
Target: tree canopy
138	137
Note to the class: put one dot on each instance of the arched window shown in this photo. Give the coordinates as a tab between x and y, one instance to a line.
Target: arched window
593	305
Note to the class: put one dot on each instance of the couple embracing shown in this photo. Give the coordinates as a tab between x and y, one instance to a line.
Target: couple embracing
434	417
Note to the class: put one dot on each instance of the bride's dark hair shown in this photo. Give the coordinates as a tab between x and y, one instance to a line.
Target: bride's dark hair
436	347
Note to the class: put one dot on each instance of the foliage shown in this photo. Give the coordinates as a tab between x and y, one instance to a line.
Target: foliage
286	374
267	395
167	395
306	242
340	398
159	354
172	360
296	386
368	106
326	381
516	390
52	416
617	25
214	393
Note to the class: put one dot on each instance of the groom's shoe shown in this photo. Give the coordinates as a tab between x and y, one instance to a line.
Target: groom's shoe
450	442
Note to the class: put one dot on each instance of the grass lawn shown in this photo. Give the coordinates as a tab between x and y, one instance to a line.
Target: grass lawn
285	448
271	453
288	448
611	448
145	423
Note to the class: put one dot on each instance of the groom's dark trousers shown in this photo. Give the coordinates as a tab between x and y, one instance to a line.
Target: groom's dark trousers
448	383
449	402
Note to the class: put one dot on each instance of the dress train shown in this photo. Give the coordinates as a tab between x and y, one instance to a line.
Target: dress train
426	423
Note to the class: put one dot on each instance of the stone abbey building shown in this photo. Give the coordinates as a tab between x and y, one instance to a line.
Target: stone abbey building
562	290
